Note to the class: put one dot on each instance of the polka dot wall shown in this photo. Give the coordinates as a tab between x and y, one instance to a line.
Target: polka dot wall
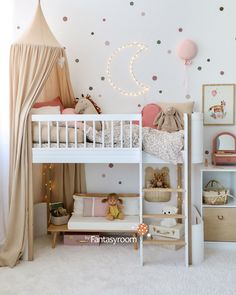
92	32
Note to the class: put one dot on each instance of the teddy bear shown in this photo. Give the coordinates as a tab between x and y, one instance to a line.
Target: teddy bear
114	208
158	181
169	222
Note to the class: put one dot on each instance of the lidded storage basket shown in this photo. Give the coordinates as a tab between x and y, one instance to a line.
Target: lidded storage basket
152	194
215	193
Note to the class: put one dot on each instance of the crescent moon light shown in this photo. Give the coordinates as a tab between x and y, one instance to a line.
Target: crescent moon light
144	88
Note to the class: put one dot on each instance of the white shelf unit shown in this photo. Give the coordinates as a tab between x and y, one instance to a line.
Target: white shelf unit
219	220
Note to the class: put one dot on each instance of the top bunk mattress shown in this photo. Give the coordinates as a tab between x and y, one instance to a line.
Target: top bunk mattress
129	223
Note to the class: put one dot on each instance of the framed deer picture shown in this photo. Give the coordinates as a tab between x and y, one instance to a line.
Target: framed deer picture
218	104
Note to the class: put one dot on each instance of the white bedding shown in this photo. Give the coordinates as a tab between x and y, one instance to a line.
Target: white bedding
129	223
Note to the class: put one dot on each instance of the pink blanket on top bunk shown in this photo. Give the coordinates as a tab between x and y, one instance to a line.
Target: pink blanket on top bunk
164	145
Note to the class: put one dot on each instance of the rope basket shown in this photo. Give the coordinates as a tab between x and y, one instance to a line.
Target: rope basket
152	195
215	193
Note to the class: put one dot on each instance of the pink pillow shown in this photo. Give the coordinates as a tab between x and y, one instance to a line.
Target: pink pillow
50	103
71	111
149	113
99	210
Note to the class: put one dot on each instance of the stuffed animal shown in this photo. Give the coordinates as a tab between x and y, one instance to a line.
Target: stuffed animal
170	121
158	180
169	222
114	209
86	105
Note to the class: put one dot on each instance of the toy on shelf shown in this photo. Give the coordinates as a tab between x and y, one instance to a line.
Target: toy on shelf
114	208
169	222
155	179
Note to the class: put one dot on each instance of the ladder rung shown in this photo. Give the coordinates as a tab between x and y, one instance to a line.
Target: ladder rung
168	190
180	216
165	242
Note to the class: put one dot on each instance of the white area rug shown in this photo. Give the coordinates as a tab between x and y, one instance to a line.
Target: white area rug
115	270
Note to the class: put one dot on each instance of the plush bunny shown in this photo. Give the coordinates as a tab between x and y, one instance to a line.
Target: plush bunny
114	209
170	121
169	222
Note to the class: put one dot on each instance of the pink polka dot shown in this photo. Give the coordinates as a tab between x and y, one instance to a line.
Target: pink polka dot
154	77
65	18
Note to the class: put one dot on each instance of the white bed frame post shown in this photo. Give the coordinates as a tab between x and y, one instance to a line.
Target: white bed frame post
187	184
141	188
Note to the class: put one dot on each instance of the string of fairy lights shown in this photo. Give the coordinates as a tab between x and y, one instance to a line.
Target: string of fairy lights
48	171
141	47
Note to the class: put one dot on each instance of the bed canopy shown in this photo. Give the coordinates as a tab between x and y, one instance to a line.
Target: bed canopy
38	71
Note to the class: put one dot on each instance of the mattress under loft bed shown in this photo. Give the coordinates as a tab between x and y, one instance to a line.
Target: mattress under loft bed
56	139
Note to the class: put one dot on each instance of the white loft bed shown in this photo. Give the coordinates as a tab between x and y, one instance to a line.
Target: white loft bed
101	153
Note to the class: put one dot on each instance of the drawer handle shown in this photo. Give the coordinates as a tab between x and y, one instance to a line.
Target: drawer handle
220	217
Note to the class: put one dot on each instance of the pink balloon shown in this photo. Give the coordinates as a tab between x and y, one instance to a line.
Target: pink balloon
187	50
213	92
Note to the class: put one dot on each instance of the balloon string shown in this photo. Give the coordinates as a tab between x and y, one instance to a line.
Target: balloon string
186	80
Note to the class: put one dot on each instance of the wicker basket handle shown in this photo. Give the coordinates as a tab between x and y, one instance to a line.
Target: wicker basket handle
211	183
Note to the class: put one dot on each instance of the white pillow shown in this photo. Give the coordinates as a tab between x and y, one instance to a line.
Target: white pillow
78	205
131	205
46	110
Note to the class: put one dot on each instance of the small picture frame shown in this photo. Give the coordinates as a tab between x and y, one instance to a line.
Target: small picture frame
218	104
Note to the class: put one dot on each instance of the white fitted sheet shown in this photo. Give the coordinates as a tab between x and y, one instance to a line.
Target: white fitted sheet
129	223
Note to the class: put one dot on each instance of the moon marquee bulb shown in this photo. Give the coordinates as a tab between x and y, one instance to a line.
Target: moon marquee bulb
144	88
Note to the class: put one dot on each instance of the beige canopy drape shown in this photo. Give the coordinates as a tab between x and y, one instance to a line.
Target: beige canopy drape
33	59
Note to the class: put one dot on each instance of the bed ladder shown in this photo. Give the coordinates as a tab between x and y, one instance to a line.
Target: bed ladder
183	195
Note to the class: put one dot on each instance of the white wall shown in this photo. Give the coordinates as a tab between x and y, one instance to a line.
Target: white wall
145	21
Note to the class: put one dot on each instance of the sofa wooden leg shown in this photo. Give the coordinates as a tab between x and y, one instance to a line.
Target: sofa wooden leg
135	236
54	239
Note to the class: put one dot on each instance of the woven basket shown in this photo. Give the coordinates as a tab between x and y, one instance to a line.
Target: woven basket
215	193
153	195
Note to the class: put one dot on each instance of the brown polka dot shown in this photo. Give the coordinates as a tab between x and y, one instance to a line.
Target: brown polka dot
103	175
221	8
111	165
143	13
222	73
120	182
169	51
187	96
154	77
90	88
18	27
77	60
180	30
65	18
102	78
139	105
199	68
92	33
107	43
104	19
